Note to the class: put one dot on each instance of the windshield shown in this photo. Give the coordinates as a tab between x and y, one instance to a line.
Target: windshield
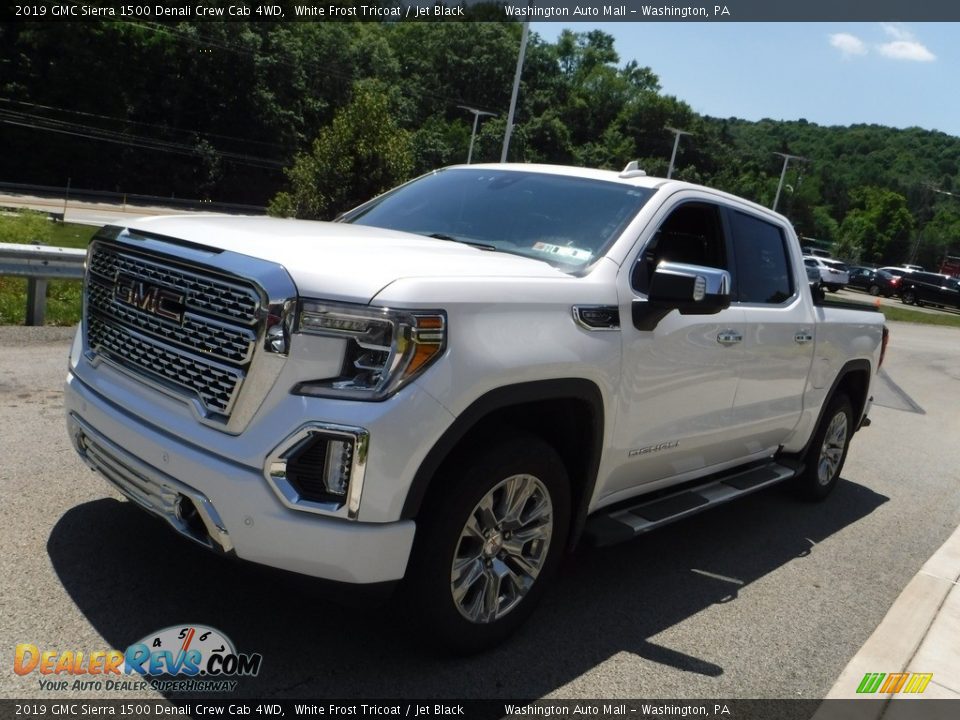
565	221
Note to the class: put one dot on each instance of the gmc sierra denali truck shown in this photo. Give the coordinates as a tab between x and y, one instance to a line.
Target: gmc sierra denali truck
460	379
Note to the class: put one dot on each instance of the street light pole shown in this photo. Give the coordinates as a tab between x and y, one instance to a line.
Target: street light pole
783	173
516	90
676	142
476	117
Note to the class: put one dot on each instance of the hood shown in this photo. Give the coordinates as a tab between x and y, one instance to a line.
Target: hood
337	261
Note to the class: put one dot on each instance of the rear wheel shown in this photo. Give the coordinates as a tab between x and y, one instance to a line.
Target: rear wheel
874	290
909	297
490	542
828	450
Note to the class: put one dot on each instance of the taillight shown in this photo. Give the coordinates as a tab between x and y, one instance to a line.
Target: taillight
883	345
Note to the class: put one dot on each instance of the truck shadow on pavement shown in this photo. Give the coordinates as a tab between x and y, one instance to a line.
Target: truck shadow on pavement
316	644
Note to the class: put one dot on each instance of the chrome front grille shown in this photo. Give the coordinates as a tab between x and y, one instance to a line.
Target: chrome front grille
205	292
197	342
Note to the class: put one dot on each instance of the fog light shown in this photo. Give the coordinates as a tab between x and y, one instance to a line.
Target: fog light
320	469
336	466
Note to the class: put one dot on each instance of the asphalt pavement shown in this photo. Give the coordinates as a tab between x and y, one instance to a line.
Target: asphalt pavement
767	597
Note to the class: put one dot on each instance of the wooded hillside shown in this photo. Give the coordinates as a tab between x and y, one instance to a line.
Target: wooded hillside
326	114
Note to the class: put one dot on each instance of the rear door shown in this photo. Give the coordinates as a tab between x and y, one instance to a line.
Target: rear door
780	333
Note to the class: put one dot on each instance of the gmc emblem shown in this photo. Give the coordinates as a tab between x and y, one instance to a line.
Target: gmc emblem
154	299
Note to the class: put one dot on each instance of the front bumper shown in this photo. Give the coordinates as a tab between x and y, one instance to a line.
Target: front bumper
225	505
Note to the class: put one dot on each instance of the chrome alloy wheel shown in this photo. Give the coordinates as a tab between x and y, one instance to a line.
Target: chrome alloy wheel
831	452
501	549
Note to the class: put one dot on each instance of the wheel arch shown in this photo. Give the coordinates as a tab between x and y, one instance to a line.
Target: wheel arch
568	413
854	380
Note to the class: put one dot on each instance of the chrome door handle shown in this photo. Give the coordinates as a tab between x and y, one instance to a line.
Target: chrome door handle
729	337
803	336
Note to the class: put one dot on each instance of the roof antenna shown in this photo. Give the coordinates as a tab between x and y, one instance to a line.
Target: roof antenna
633	170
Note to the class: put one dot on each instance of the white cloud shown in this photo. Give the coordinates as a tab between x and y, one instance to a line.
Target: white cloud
906	50
897	32
904	45
848	44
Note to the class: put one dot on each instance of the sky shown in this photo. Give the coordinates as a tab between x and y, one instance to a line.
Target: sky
829	73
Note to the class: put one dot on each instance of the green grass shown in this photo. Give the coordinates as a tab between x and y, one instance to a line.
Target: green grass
63	296
905	315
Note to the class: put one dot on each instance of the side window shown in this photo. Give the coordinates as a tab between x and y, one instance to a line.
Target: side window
691	234
763	270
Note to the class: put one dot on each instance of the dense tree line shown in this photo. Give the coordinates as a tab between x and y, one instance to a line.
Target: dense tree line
314	117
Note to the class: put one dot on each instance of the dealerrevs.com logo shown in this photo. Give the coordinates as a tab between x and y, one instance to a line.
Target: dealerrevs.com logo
199	658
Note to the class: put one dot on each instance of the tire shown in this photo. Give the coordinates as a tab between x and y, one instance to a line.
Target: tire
909	297
874	290
471	582
828	451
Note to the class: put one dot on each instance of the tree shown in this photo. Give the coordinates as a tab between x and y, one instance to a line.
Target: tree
360	154
878	228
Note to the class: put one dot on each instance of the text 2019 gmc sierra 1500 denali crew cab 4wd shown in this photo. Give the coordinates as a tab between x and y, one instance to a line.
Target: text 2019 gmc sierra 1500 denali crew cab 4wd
461	378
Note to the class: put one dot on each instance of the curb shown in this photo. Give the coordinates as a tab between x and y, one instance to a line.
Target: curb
920	633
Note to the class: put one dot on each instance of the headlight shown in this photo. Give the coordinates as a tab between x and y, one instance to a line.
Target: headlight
386	349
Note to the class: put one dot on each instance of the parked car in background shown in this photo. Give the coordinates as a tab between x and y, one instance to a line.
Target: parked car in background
913	267
816	283
875	282
833	273
923	288
950	266
896	271
859	277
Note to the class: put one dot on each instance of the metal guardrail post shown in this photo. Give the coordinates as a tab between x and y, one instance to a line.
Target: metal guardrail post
39	264
36	300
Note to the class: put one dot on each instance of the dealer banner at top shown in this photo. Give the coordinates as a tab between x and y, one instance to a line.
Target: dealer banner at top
480	11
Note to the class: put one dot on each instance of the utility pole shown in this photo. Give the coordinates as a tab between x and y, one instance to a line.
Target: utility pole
476	116
676	141
786	161
516	90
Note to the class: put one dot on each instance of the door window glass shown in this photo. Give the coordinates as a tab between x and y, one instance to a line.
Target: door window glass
763	268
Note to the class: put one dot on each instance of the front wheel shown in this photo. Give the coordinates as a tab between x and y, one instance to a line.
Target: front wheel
490	541
828	451
909	297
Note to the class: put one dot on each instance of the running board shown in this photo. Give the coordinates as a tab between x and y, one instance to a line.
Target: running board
624	523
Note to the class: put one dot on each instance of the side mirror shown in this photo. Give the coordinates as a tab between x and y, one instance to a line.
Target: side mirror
689	289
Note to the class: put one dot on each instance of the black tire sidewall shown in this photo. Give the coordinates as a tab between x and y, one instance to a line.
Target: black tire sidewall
443	521
808	483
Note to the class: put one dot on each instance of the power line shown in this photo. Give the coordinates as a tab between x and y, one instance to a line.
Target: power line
138	122
78	130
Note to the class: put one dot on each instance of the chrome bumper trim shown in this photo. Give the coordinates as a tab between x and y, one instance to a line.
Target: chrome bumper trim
275	469
151	489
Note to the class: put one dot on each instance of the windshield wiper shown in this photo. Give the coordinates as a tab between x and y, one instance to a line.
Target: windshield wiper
471	243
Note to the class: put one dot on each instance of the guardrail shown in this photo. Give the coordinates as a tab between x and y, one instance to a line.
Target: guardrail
39	264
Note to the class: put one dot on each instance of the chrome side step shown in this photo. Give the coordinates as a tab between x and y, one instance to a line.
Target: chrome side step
624	523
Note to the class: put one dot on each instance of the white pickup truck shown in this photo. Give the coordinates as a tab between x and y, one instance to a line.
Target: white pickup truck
462	378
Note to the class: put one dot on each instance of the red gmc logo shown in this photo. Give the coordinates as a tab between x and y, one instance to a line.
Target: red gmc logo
154	299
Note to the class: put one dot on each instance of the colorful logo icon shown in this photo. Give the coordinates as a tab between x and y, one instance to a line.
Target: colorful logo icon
184	650
884	683
189	650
